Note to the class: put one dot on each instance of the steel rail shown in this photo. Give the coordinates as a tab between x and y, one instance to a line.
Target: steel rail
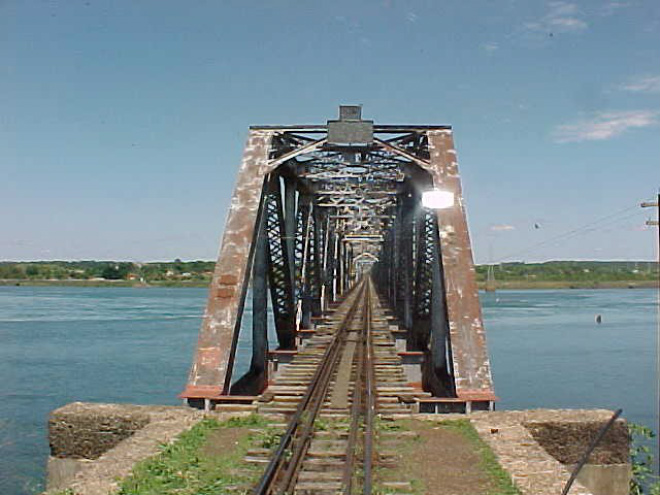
298	433
370	411
358	392
320	392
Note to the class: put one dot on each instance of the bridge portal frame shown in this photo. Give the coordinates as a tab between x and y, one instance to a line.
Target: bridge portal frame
243	254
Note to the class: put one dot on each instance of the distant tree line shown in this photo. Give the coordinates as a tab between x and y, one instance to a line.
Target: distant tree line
108	270
575	271
202	271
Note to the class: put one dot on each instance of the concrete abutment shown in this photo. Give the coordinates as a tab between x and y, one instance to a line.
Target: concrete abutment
95	445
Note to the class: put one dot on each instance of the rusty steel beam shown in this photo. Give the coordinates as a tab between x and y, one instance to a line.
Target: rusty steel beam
315	128
399	151
308	148
210	374
471	364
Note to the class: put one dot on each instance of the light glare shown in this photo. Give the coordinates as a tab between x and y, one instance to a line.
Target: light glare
437	200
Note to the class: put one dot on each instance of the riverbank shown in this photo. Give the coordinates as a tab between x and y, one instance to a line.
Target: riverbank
570	284
103	283
178	273
504	285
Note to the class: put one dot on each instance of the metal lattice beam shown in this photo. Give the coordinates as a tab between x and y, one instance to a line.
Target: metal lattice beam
279	271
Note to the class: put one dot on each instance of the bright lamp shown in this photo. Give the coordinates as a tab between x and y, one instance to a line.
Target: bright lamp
437	200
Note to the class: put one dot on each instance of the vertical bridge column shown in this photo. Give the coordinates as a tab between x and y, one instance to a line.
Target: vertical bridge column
210	374
471	364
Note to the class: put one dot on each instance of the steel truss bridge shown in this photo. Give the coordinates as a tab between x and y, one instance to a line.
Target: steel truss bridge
315	210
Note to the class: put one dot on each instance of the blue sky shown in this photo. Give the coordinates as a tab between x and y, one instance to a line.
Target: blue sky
122	122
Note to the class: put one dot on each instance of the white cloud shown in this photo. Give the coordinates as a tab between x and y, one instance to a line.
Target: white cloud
490	47
642	84
502	227
561	17
612	7
604	125
568	24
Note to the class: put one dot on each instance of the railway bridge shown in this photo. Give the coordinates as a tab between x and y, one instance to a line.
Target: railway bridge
318	208
346	266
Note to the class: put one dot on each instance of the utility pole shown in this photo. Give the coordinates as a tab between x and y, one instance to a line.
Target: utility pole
656	223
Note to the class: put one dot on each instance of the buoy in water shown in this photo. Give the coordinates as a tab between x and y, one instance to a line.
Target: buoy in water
599	319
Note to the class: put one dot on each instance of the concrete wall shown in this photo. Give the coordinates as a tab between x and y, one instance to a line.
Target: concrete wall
606	479
81	431
95	445
539	449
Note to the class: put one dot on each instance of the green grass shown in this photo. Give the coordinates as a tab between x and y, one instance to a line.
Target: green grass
327	424
502	484
183	468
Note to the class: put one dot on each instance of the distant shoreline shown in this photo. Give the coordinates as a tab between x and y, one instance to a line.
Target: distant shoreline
505	285
514	275
549	284
101	283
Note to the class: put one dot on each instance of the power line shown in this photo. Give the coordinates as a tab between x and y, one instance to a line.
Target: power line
588	227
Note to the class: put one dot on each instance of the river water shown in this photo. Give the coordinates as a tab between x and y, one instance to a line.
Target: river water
63	344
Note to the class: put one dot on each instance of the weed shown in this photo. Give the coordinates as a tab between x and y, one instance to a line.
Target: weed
643	480
246	421
321	424
184	468
387	425
270	437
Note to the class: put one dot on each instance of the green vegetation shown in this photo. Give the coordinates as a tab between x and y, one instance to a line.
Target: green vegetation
643	481
572	274
327	424
200	464
175	273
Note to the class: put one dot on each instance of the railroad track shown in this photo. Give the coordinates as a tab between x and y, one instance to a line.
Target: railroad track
345	376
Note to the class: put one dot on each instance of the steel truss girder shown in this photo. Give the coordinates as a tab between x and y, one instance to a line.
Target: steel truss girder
279	270
426	248
304	255
315	278
405	224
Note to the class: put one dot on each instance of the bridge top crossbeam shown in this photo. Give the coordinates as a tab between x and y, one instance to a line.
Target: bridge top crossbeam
321	128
